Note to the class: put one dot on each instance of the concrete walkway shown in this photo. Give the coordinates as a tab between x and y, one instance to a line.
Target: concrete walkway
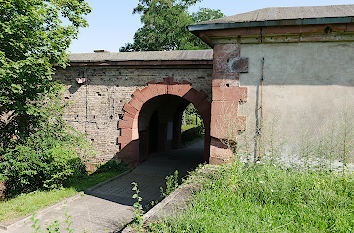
109	207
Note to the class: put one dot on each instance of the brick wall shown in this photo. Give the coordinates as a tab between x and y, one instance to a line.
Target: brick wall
96	105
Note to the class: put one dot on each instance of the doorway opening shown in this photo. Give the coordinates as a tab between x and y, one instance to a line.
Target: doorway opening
168	122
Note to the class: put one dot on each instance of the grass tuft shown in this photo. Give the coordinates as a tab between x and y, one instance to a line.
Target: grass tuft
267	198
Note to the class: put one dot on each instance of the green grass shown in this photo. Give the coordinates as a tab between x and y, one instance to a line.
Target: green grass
267	198
187	127
26	204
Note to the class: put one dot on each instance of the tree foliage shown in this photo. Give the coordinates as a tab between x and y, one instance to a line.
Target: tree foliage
34	36
165	25
47	158
37	149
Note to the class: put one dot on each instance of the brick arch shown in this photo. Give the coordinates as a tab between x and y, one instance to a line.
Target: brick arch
128	137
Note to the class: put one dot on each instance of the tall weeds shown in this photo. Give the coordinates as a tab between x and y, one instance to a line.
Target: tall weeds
326	144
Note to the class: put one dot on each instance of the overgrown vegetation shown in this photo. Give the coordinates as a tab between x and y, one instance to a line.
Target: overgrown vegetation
267	198
138	209
172	183
37	149
272	192
47	157
165	25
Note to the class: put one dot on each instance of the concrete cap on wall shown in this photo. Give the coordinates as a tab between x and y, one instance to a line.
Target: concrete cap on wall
177	55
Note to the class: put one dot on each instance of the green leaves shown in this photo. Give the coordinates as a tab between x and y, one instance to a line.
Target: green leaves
138	211
165	25
33	39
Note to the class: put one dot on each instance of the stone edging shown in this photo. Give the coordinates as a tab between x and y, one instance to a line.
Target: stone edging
87	191
174	202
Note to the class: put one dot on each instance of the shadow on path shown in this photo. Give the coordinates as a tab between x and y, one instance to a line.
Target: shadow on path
150	175
109	207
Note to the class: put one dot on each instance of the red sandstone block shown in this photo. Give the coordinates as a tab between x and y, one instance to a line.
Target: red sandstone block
178	89
124	124
195	97
227	128
220	160
219	153
136	103
162	89
158	89
128	155
225	83
226	50
126	132
221	65
124	140
223	54
227	108
227	59
147	93
128	116
137	94
204	109
132	149
128	108
230	93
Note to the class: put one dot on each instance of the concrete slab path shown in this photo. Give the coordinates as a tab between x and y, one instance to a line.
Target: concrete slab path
109	207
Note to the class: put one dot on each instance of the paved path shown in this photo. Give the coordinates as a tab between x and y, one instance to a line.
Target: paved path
109	207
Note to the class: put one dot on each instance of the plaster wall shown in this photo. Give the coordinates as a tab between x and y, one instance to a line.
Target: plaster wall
305	85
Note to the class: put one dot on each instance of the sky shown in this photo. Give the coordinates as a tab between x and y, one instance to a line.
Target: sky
112	23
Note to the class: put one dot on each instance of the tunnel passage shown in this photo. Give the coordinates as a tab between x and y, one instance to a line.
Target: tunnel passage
152	120
160	124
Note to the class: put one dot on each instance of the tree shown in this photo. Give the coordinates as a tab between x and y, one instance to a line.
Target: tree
165	25
33	40
205	14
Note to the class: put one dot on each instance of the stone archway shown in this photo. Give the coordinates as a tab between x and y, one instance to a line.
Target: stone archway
128	138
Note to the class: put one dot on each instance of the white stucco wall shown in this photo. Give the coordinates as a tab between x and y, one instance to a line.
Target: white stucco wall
305	84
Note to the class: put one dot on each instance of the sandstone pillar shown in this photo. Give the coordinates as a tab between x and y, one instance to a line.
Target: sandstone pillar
226	95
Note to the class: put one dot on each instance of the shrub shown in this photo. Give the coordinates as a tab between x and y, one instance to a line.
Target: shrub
47	157
27	168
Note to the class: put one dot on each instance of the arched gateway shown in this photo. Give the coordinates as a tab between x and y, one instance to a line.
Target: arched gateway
170	99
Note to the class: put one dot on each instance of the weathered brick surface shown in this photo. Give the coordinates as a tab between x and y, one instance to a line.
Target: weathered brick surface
97	105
